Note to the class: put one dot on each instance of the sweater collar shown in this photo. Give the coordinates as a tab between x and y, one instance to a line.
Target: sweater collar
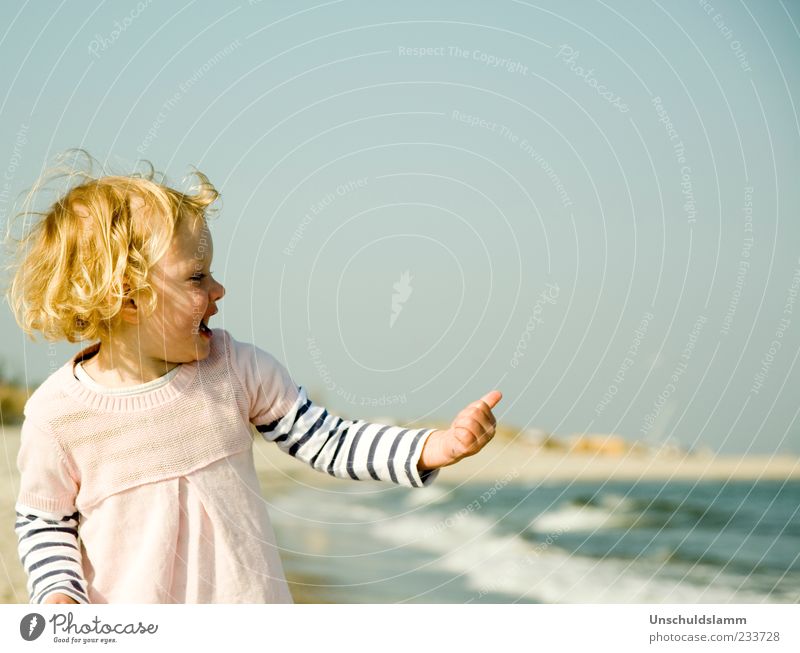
121	403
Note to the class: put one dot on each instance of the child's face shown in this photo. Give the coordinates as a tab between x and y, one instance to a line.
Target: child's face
186	295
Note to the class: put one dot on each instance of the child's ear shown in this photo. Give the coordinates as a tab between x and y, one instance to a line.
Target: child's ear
129	311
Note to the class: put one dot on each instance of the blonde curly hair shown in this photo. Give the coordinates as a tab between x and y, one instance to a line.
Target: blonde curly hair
94	248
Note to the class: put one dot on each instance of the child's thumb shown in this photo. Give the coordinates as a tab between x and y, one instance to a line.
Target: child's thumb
492	398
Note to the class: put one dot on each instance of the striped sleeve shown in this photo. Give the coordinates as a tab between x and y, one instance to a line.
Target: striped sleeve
50	554
350	449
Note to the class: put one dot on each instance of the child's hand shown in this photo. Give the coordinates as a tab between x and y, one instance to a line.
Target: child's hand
470	431
59	598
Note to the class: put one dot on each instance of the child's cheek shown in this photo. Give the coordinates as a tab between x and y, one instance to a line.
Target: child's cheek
200	304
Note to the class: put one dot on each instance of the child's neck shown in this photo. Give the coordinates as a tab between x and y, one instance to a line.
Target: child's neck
113	368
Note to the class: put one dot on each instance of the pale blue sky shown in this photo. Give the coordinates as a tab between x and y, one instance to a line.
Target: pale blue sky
487	148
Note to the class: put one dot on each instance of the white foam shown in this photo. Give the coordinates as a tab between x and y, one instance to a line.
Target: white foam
467	545
511	566
580	518
613	511
617	502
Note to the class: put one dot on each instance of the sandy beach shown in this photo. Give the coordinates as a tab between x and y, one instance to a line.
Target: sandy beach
504	460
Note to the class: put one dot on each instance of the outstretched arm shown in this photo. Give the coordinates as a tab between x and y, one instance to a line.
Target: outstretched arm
352	449
360	450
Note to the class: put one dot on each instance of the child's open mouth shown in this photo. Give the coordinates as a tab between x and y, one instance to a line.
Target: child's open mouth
204	330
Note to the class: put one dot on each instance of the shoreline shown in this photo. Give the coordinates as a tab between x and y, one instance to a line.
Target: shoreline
515	462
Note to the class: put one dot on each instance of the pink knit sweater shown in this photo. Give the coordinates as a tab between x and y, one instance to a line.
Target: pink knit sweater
163	483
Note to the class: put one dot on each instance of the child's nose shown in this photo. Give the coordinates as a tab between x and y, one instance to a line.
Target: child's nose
217	291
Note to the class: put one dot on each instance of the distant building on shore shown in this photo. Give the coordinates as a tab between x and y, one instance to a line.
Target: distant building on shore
605	444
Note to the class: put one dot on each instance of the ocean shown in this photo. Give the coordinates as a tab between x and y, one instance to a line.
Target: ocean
612	542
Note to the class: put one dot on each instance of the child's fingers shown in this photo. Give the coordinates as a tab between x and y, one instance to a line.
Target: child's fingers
476	423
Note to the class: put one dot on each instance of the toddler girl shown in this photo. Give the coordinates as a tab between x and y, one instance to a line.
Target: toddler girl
137	478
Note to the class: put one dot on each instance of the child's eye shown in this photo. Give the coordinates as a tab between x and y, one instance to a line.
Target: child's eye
198	277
